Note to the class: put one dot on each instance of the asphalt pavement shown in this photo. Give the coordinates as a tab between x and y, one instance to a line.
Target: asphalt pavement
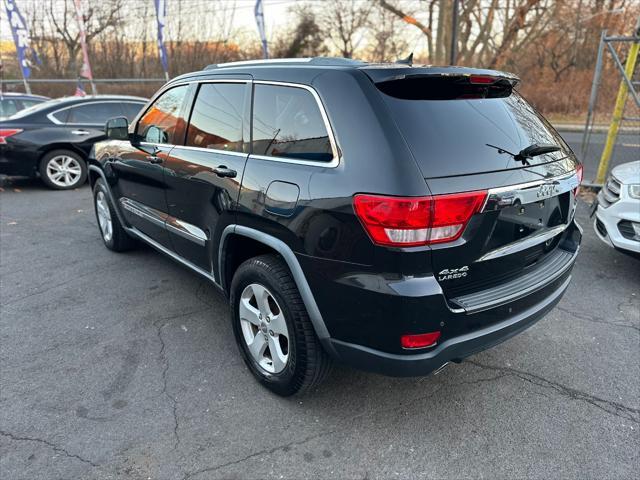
123	366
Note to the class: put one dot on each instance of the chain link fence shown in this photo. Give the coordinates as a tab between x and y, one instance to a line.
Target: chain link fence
612	132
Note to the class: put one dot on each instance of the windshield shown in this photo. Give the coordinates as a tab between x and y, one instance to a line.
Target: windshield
449	134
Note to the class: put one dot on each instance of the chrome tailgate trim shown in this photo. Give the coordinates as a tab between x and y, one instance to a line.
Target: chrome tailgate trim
547	271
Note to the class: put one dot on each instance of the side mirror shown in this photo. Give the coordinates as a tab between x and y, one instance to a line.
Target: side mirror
155	135
117	128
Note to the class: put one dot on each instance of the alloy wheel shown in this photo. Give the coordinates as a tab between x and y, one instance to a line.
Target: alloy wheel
104	216
264	328
64	171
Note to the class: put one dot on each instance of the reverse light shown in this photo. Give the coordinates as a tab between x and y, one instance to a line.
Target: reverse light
416	221
421	340
580	174
8	132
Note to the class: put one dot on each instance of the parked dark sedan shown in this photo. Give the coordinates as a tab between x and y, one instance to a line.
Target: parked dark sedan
53	139
11	102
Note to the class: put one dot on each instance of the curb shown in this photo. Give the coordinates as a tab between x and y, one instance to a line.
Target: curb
575	128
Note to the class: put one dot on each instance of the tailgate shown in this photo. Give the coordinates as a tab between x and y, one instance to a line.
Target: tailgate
470	131
515	238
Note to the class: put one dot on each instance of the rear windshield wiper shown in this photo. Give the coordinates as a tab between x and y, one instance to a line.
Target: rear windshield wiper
529	152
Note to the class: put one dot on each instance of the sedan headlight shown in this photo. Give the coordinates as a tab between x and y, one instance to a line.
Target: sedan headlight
634	191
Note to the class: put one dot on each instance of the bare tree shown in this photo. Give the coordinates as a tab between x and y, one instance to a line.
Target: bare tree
98	18
514	25
343	22
304	39
386	42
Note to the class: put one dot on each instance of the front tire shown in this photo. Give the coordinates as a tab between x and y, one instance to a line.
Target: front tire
113	234
63	170
272	328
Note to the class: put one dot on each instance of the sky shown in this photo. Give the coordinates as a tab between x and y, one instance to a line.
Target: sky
275	12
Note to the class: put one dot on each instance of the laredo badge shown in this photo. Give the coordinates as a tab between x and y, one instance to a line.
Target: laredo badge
451	273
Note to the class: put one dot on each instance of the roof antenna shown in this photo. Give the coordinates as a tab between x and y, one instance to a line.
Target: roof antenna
406	61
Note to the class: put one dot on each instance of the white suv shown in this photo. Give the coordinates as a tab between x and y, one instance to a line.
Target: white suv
617	208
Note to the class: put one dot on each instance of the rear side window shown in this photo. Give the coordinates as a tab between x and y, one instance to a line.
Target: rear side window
94	113
287	123
131	110
61	115
216	120
164	122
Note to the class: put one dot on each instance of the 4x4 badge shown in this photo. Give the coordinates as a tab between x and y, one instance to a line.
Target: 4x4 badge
451	273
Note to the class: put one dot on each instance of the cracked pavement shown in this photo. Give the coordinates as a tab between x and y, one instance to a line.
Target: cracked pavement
124	367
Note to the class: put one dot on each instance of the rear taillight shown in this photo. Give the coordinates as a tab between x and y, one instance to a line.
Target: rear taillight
421	340
8	132
415	221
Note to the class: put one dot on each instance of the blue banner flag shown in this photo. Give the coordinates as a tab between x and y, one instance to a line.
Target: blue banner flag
259	12
20	34
161	16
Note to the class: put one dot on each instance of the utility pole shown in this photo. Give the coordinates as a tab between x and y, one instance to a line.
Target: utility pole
454	33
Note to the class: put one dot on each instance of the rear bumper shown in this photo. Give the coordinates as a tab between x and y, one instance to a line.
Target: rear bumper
453	349
17	163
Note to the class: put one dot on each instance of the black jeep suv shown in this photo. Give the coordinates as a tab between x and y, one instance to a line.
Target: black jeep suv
391	217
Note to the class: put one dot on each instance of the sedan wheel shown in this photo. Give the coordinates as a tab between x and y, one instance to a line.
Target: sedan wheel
64	171
264	328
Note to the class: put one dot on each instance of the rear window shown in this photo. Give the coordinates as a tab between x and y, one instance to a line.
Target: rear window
39	107
449	125
287	123
30	103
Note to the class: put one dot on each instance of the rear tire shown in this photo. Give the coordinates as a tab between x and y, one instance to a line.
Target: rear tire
63	170
298	363
113	234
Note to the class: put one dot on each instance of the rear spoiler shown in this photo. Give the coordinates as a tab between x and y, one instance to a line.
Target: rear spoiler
386	73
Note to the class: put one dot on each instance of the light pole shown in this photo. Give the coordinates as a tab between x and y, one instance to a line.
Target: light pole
454	33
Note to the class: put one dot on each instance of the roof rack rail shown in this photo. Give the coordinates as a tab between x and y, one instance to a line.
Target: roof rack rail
327	61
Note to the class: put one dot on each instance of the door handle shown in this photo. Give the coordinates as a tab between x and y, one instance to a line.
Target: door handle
80	132
154	159
225	172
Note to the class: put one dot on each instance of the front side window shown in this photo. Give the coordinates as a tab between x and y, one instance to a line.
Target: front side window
164	122
216	120
287	124
93	113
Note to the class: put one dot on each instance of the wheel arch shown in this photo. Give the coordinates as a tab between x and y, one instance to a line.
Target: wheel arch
94	174
258	243
50	147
